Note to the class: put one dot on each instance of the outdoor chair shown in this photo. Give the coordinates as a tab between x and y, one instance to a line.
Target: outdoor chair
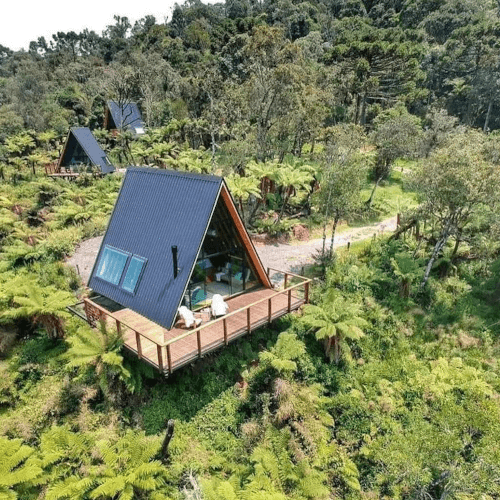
218	307
188	317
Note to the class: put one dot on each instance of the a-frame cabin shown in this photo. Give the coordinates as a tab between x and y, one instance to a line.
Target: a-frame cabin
123	116
176	238
81	150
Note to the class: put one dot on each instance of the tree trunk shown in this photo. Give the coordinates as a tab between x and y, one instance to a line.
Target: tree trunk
212	136
363	110
328	346
242	210
441	242
455	248
337	349
334	227
212	132
262	141
372	195
253	213
285	202
324	240
358	106
164	454
488	114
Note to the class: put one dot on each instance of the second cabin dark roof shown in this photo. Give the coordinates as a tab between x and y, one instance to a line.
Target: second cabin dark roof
91	147
155	210
126	116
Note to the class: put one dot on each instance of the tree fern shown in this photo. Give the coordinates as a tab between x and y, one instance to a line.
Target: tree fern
129	469
96	354
282	356
45	305
76	466
335	320
408	270
16	471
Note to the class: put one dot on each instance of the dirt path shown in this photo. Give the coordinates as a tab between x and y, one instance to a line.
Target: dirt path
292	257
278	256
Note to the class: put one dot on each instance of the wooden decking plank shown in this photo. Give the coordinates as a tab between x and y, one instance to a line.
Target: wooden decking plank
185	350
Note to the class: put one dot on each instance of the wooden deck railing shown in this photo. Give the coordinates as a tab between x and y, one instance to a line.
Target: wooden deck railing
96	313
52	168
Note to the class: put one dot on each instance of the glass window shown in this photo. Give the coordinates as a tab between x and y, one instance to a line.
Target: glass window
133	274
112	264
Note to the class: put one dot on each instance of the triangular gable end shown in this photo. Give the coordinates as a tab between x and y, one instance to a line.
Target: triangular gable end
240	233
81	147
245	238
109	123
65	160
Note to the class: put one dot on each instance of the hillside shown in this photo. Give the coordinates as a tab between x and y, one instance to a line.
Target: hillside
325	118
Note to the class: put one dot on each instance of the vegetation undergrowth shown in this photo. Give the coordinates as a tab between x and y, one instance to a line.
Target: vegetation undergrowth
318	114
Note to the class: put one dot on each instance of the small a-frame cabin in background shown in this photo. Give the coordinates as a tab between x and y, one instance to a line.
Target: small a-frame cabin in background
123	116
176	238
81	150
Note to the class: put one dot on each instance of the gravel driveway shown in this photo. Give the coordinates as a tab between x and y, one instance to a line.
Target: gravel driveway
278	256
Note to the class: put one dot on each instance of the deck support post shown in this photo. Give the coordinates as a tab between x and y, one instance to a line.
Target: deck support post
169	360
198	338
289	300
269	310
224	324
306	293
160	357
286	281
118	327
249	323
138	342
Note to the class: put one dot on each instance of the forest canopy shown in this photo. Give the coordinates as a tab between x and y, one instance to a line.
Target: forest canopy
246	65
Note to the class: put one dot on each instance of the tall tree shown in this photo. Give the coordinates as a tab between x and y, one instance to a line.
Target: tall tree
471	66
342	177
452	185
397	134
385	63
275	74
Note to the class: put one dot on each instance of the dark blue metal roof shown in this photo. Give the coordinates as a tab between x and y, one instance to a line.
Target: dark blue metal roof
155	210
126	116
89	144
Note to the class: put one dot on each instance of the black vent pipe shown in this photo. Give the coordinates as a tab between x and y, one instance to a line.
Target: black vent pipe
174	258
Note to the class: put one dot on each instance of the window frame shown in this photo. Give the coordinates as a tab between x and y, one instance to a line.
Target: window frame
125	265
139	278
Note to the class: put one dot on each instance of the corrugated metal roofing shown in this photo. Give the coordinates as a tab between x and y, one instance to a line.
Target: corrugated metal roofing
89	144
126	116
155	210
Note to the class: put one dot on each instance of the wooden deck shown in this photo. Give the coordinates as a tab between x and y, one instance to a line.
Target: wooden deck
168	350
